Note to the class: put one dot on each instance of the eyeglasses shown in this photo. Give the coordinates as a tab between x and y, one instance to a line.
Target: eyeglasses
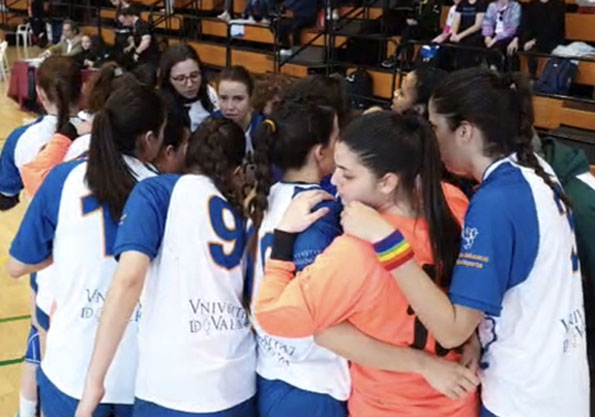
194	76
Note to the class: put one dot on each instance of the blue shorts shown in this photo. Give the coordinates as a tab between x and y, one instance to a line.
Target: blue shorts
42	318
54	403
486	413
279	399
33	281
144	408
33	354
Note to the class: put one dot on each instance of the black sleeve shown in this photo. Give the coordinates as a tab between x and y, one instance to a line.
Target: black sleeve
482	6
143	28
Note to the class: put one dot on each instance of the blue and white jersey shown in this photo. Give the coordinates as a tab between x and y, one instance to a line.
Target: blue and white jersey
21	147
66	222
196	348
298	362
518	264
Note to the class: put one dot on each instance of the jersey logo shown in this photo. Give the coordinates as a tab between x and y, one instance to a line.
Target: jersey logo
469	235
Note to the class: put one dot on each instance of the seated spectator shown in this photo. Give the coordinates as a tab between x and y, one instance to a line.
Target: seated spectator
304	15
447	30
92	54
69	45
466	30
143	45
542	28
421	26
184	87
500	25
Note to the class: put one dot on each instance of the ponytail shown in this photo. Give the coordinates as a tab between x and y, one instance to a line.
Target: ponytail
217	149
444	229
264	138
61	80
130	112
62	102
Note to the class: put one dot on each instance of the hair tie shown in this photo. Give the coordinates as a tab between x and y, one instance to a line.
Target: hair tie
271	124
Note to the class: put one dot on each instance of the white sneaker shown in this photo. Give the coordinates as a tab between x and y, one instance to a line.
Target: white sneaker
265	21
335	15
224	16
251	20
286	52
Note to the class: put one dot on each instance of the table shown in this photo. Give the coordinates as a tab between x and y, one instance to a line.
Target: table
19	82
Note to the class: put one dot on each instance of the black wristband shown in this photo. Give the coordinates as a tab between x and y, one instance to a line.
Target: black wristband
283	245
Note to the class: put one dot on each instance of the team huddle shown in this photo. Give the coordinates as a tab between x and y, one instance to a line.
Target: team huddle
199	258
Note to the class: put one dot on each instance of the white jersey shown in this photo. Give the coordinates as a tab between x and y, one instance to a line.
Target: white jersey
196	348
298	362
519	265
65	221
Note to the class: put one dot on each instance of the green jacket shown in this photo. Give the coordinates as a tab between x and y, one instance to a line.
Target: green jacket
567	164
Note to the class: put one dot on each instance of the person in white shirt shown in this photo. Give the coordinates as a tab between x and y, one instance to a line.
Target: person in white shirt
71	225
182	249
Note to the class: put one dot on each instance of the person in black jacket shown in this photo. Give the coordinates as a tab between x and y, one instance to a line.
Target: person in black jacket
542	29
304	15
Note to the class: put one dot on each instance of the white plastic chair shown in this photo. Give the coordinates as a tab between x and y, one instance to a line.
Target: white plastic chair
4	66
24	33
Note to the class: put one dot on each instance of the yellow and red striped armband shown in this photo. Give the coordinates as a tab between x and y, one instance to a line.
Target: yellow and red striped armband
393	251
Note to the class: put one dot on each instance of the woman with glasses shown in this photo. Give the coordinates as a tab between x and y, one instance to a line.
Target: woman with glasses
183	87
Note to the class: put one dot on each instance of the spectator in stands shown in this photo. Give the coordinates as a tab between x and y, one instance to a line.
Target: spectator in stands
227	14
183	85
542	29
421	26
92	54
500	25
143	46
447	30
304	15
70	44
268	89
466	30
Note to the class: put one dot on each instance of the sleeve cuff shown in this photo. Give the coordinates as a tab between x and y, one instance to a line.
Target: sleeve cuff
126	247
461	300
283	243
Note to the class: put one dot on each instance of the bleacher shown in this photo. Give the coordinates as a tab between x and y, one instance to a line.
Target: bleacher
253	45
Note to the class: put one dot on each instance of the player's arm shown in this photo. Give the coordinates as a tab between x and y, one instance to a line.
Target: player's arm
120	302
17	269
450	378
451	323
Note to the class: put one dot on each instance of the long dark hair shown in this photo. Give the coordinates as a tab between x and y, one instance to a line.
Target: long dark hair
285	140
174	55
405	145
501	106
60	78
129	112
108	79
217	150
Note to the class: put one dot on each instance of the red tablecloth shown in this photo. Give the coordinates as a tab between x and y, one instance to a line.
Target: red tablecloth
19	82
